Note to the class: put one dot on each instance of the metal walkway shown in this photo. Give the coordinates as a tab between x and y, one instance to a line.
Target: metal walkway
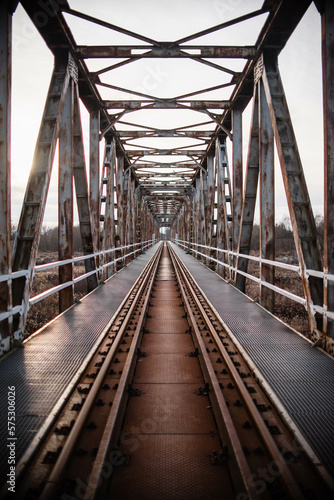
45	367
301	376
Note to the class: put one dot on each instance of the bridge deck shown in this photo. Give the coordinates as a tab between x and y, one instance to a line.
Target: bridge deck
301	376
43	369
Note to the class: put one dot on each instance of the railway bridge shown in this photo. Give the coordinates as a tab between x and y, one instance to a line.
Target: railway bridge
168	370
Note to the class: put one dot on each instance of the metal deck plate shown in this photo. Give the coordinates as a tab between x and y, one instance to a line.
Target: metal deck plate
301	376
42	370
177	457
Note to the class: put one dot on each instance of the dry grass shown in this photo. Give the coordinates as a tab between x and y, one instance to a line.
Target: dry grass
44	311
288	311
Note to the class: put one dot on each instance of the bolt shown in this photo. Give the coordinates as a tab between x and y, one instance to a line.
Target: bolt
247	425
92	425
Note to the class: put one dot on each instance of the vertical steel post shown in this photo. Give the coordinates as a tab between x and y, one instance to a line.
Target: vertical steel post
299	203
120	204
327	21
221	228
109	218
267	199
237	174
249	199
94	175
65	200
138	219
203	202
126	212
81	191
198	221
210	202
132	214
29	228
5	166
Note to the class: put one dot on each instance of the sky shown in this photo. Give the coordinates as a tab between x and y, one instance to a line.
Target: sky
300	66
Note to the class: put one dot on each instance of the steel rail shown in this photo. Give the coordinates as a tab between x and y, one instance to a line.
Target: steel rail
242	463
59	469
287	477
64	398
110	432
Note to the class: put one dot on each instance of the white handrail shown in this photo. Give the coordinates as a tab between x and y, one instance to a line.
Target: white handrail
50	265
283	265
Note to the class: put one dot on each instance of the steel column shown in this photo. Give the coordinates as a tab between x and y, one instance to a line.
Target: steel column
94	176
120	204
249	199
81	190
327	20
127	212
132	216
237	174
65	200
203	202
267	200
301	214
5	167
198	221
109	216
210	201
30	224
223	240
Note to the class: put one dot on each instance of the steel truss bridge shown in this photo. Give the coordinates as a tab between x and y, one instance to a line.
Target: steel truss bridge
186	183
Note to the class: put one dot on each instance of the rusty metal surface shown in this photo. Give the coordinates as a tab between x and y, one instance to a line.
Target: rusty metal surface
328	67
44	367
300	376
5	164
65	199
267	199
183	465
169	431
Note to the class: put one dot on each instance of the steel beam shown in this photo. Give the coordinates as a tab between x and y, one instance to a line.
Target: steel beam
236	175
165	104
210	166
203	204
65	200
327	21
5	167
249	198
301	214
120	203
109	216
30	224
267	200
81	190
166	51
94	176
224	240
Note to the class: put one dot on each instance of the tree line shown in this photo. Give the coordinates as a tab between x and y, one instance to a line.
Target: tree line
284	242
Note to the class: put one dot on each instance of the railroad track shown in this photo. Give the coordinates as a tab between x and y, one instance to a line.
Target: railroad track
88	449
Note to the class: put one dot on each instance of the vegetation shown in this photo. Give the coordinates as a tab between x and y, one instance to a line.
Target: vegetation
290	312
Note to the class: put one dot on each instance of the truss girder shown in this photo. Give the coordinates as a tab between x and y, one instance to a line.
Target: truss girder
176	177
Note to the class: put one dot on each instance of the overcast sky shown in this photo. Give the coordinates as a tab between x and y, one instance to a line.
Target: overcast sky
300	65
